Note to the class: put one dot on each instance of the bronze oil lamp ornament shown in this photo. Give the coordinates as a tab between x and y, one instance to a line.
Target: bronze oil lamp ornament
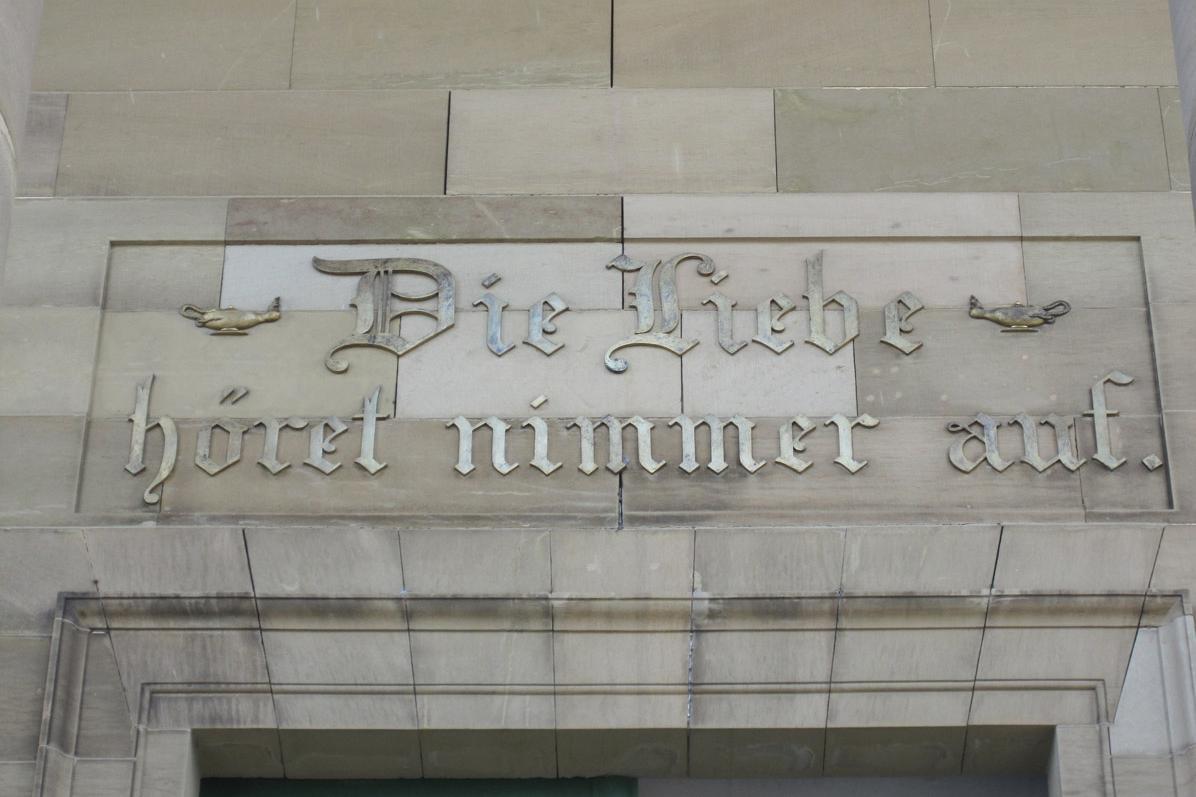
230	320
1018	317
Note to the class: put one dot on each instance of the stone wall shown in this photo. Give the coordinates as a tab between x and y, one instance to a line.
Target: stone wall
907	619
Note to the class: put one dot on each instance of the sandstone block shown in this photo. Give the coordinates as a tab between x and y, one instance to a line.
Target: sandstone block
59	250
425	218
46	372
416	44
771	43
45	477
176	143
136	46
932	139
1018	44
332	562
176	561
600	142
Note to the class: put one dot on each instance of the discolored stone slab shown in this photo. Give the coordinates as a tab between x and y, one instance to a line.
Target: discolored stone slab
37	168
977	43
771	43
114	45
424	219
414	44
319	753
621	141
1048	139
175	144
754	752
909	751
